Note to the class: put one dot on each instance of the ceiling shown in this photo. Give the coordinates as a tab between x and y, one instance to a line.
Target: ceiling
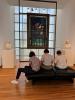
60	3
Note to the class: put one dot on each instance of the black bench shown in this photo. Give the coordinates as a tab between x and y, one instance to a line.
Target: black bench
68	74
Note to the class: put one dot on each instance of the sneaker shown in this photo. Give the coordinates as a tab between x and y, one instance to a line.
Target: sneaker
14	82
26	80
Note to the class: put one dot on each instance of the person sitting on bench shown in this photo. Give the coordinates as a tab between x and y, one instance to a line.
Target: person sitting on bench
34	66
60	61
46	60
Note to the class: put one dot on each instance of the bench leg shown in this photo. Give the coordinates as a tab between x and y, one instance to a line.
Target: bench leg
33	81
71	80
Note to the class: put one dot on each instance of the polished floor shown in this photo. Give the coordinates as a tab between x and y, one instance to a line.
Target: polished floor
49	90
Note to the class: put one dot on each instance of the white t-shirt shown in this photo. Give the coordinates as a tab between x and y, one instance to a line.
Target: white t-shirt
61	61
35	63
47	59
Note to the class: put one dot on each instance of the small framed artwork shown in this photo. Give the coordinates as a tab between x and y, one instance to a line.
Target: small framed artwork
37	30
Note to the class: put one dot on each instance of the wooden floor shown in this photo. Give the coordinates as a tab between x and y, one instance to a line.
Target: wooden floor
52	90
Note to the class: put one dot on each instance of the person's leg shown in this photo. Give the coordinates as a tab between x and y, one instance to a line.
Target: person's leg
27	70
57	68
19	72
18	75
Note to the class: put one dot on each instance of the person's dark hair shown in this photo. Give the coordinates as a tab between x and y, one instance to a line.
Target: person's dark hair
31	54
46	51
59	52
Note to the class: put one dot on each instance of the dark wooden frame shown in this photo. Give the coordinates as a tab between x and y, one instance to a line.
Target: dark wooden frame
40	40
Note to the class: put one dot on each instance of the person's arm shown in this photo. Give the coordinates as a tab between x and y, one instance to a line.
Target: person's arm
55	61
52	61
66	62
30	63
42	60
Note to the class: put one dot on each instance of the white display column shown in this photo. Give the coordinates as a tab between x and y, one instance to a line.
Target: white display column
69	56
8	58
68	53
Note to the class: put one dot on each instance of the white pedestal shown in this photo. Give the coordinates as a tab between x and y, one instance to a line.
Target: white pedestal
69	57
8	58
